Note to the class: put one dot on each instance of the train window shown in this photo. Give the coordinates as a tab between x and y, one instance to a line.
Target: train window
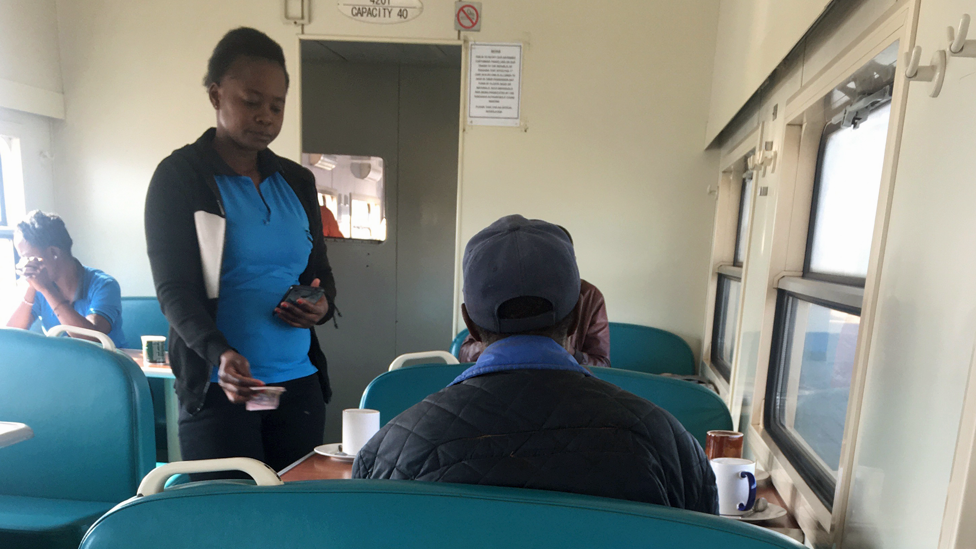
818	315
8	256
726	321
742	228
809	386
846	197
351	195
729	284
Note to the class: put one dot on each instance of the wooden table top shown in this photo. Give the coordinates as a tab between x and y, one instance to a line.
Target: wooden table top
316	467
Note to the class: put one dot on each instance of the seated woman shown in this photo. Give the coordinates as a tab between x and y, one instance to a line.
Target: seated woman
60	290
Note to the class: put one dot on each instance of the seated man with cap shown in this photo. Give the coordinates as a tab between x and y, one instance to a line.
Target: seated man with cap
589	343
527	415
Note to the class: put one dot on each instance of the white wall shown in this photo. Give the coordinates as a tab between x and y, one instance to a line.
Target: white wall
30	72
612	150
926	327
133	87
753	38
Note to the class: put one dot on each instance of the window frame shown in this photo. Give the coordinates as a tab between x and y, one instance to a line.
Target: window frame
836	292
806	462
830	128
749	175
723	368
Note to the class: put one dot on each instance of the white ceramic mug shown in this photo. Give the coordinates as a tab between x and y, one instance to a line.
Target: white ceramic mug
358	426
736	480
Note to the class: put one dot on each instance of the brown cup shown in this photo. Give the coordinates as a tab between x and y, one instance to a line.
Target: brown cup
723	444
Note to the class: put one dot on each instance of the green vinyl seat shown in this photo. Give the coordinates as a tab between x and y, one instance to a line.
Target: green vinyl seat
91	415
368	514
650	350
638	348
456	344
697	408
142	316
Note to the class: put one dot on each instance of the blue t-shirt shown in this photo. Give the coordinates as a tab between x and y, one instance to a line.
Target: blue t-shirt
266	247
99	294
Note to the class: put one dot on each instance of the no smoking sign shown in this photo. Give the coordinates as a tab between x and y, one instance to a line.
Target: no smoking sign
467	16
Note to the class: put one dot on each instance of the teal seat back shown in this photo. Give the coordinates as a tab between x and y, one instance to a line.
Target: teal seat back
651	350
697	408
368	514
456	344
393	392
142	316
91	416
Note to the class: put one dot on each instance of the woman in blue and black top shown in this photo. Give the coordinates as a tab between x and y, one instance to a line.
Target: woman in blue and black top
230	226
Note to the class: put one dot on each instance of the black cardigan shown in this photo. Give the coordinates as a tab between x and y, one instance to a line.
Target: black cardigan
182	186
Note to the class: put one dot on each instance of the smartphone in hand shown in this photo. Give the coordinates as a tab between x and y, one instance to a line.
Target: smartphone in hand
311	294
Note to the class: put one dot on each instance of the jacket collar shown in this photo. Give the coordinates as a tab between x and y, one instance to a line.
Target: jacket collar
522	352
268	162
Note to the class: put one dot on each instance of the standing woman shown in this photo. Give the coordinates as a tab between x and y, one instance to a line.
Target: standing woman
230	226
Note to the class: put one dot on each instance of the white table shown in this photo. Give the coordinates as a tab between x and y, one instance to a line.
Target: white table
12	433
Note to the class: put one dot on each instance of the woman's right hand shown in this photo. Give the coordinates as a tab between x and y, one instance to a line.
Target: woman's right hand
235	378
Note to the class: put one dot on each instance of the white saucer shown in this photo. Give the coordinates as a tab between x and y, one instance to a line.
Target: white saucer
334	451
761	476
772	512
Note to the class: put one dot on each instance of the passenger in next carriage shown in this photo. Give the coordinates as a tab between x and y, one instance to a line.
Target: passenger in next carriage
60	290
589	343
527	414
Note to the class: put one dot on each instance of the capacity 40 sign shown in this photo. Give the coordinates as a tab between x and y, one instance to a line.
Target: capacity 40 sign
384	12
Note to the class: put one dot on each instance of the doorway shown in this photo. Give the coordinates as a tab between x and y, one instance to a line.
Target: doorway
380	127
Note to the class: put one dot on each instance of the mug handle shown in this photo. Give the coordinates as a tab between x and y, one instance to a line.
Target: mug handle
752	491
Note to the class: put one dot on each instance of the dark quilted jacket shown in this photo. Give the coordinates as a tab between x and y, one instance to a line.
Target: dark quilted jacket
548	430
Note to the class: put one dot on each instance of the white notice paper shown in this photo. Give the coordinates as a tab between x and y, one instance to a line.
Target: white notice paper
495	84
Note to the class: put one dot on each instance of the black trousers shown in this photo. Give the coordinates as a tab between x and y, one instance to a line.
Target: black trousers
277	437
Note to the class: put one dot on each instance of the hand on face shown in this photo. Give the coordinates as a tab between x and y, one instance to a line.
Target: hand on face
303	314
36	272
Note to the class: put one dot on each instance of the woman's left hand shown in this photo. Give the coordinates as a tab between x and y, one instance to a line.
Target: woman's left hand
303	314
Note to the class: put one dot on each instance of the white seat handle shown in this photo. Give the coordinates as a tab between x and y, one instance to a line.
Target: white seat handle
262	474
447	357
74	330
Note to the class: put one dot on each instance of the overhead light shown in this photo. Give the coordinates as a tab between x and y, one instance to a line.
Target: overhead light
326	163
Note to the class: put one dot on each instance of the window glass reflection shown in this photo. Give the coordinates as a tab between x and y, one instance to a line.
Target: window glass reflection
815	377
847	199
351	195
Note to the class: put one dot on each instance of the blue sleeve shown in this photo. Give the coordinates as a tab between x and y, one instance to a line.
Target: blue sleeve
105	299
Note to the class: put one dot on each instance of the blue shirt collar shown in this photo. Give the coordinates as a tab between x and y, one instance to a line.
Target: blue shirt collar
522	352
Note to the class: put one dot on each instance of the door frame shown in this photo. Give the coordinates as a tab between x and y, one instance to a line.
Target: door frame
464	44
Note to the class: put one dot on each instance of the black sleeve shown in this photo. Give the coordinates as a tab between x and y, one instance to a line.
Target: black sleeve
701	492
318	262
174	257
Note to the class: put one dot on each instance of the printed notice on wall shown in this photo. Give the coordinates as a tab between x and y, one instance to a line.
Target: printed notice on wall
495	84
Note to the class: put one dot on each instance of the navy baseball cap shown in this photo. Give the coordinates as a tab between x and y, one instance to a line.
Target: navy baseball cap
519	257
